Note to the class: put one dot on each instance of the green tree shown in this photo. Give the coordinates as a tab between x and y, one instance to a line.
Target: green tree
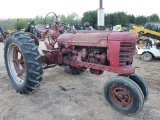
7	24
123	18
108	21
19	24
63	18
90	16
72	19
131	19
39	19
140	20
116	19
154	17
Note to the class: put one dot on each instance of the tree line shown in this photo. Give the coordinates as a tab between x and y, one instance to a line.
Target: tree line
73	19
118	18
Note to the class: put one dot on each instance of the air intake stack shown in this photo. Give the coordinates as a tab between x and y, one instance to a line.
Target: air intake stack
100	15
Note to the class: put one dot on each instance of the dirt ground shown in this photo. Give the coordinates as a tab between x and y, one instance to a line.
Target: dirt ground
82	100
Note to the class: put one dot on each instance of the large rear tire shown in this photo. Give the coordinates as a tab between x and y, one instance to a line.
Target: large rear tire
23	62
123	95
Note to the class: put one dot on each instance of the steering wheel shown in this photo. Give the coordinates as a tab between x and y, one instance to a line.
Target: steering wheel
45	20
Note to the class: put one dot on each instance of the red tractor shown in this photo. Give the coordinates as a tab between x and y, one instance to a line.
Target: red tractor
78	50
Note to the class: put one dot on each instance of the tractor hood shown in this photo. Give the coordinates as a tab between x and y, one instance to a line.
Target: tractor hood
122	36
94	38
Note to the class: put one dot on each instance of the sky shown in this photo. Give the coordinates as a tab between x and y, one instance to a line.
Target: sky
31	8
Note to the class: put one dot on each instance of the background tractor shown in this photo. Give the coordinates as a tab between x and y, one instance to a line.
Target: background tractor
3	33
150	29
76	51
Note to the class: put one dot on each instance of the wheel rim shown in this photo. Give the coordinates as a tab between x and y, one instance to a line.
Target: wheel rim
121	96
16	64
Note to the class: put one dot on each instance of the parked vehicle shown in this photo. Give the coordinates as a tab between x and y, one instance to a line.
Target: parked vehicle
147	53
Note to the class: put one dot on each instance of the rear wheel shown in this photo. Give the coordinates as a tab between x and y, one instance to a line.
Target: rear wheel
146	57
123	95
23	62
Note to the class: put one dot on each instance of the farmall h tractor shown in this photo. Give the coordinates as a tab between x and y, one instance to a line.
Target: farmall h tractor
98	51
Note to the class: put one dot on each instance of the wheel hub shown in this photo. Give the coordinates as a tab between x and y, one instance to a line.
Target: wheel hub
16	64
147	57
121	96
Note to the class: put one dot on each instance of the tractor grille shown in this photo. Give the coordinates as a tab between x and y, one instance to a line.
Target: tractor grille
126	53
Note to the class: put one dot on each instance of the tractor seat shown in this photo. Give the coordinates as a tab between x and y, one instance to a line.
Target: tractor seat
41	28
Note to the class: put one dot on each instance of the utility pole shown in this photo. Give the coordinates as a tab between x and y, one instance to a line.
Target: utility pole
100	14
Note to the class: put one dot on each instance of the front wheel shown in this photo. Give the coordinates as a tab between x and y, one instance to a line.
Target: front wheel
123	95
23	62
142	84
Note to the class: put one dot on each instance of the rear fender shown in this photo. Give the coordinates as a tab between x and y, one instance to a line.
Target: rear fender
31	35
35	38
